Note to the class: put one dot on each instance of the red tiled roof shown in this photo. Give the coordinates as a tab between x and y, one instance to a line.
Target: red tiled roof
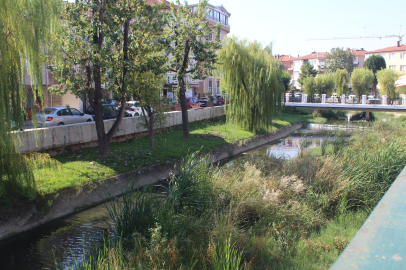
359	52
285	58
391	49
312	56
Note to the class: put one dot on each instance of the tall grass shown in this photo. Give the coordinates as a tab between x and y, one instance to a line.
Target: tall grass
268	214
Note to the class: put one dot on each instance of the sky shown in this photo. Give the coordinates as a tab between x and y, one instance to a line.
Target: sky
289	24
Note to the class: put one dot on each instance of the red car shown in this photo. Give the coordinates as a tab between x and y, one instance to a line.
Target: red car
192	103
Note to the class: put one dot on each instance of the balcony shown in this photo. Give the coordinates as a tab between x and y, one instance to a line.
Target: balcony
222	21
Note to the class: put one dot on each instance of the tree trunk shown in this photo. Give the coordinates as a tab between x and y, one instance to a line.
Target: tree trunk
183	103
151	130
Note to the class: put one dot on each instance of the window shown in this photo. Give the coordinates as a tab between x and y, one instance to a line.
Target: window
403	68
210	85
75	112
210	37
392	68
356	60
403	55
383	55
392	56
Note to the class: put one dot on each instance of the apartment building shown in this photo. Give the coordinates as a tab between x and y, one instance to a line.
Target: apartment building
316	59
395	57
359	57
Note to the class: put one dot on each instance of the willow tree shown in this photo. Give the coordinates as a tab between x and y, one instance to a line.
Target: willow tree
103	41
310	86
249	75
386	79
192	53
26	26
325	83
341	81
361	81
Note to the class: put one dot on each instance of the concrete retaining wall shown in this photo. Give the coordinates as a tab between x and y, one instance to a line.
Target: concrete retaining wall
34	140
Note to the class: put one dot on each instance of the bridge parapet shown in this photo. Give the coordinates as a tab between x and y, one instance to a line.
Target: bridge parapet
381	241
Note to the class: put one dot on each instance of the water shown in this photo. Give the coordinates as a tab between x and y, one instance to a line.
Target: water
63	240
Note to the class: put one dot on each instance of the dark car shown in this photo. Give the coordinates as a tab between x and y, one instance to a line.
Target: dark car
109	111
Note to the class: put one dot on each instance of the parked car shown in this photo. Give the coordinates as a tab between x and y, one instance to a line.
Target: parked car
203	101
298	95
352	97
133	108
56	116
109	111
220	99
334	95
192	103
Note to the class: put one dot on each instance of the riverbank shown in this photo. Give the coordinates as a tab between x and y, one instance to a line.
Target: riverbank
269	213
225	142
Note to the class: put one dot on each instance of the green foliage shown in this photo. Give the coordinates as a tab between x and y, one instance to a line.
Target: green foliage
341	81
361	81
192	54
386	79
310	86
146	88
306	70
249	74
339	59
225	257
325	83
284	77
26	26
103	45
375	63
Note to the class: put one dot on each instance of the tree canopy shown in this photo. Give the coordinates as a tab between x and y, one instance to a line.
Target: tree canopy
26	27
306	70
386	79
193	55
310	86
375	63
339	59
103	43
341	81
325	83
284	77
249	74
361	81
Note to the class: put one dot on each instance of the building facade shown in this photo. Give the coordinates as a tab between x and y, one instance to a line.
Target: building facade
395	57
316	59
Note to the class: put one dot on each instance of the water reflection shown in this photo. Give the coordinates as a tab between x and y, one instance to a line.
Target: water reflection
37	249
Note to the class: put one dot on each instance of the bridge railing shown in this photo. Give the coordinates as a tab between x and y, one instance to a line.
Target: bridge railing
383	100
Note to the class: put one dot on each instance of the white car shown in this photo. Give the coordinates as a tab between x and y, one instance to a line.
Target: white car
133	108
57	116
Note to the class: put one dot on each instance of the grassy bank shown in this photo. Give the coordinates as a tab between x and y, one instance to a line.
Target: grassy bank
80	167
53	174
267	214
